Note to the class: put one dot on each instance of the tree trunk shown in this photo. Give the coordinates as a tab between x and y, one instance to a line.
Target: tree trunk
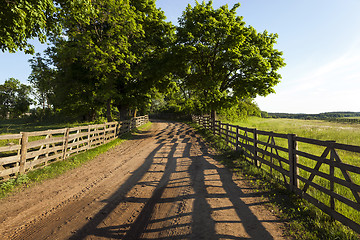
108	111
123	112
213	119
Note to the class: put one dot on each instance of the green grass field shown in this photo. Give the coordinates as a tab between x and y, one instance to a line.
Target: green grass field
316	129
321	130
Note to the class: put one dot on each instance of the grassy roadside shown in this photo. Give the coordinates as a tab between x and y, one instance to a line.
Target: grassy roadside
58	168
304	221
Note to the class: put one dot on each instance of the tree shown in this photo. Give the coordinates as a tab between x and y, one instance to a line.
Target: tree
148	73
42	79
223	61
112	59
14	98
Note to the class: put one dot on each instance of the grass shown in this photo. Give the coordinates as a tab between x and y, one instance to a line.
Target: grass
316	129
321	130
57	168
304	221
15	126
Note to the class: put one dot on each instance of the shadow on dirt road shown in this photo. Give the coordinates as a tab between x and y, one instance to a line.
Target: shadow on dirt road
182	193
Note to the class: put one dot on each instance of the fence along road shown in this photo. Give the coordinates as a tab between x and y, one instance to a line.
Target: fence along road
306	173
162	184
38	149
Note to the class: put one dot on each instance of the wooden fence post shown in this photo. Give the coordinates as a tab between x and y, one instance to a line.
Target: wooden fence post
23	151
237	138
104	134
66	143
227	133
293	159
255	147
332	174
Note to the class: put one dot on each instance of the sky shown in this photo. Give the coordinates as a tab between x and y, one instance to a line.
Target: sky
320	41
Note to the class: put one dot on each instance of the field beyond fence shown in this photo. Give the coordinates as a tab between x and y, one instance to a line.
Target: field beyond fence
28	150
319	171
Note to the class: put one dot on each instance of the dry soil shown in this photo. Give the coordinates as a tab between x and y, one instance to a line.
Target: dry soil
163	184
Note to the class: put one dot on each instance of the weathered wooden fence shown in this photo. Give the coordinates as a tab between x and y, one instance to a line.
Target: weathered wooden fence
38	149
314	169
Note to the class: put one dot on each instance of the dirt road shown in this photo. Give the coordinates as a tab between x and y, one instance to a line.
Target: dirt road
164	184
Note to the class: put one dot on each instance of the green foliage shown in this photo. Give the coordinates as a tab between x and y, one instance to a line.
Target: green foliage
14	98
220	61
22	20
241	111
110	60
42	79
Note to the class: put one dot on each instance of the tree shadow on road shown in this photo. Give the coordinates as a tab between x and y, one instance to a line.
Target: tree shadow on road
197	178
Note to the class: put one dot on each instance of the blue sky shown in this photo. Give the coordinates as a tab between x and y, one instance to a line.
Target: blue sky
320	41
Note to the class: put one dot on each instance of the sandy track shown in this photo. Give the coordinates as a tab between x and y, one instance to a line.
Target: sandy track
164	184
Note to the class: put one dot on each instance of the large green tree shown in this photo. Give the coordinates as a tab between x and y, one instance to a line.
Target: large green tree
114	57
14	98
221	60
94	55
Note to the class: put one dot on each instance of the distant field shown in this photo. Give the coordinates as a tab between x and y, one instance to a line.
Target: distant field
316	129
17	126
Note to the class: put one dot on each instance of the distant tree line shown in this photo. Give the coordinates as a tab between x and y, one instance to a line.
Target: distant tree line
117	58
331	116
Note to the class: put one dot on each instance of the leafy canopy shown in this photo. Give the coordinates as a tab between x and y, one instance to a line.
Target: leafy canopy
221	60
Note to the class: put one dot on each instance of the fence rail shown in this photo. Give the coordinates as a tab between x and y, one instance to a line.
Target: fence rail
29	150
320	177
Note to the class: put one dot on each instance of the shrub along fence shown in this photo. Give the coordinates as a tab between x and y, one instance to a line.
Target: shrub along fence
314	169
29	150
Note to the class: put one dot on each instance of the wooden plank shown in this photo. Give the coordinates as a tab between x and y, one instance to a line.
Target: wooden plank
77	143
78	128
277	168
272	134
78	135
9	159
36	153
337	216
47	132
313	141
9	171
350	185
45	141
10	148
346	147
246	138
10	136
32	164
270	154
345	166
273	146
330	193
347	177
310	156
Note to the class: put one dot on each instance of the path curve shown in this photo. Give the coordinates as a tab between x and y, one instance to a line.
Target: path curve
163	184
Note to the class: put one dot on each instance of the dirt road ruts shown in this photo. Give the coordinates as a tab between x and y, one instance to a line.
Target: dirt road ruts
163	184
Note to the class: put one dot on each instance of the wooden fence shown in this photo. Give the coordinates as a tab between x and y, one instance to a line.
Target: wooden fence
314	169
29	150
